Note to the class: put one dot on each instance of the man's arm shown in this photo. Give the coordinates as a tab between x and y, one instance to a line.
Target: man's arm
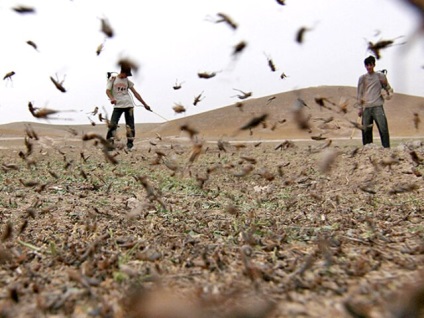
386	86
359	96
138	96
109	94
109	90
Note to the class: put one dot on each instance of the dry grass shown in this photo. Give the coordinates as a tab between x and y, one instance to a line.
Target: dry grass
186	227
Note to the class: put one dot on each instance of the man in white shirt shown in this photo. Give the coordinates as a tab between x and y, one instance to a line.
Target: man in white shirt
118	92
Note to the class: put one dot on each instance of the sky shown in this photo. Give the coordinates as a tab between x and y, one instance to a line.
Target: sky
172	41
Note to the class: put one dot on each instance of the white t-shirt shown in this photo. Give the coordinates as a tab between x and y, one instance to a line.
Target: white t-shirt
120	91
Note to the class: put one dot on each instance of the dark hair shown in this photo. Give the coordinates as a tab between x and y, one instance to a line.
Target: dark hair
126	69
369	60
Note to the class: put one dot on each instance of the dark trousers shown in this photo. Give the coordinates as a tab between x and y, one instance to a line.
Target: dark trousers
129	121
376	114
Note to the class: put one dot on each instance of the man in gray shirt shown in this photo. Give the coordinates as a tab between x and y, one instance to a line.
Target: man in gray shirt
371	103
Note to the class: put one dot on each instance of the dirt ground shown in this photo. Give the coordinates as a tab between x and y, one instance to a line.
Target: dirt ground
189	228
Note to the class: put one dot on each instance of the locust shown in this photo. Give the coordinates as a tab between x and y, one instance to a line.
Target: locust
106	28
300	118
92	122
198	99
30	132
7	231
31	43
300	34
322	100
206	75
269	100
195	152
239	47
227	20
23	9
106	144
378	46
100	48
243	95
271	64
221	146
9	75
177	85
95	111
319	137
239	105
255	121
359	126
178	108
40	112
190	130
58	85
416	120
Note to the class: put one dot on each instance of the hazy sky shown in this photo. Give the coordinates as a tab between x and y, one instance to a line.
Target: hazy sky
174	40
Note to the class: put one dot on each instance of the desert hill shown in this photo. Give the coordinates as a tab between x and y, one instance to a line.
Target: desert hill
226	121
333	120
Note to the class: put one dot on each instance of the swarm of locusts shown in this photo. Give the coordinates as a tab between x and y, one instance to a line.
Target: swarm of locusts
235	227
186	226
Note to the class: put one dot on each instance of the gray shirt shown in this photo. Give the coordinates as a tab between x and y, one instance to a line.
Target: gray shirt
369	89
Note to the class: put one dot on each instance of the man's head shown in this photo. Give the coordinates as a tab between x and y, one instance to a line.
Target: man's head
370	60
369	63
126	69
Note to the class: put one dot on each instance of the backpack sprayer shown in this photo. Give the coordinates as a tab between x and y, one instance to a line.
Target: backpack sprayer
109	74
